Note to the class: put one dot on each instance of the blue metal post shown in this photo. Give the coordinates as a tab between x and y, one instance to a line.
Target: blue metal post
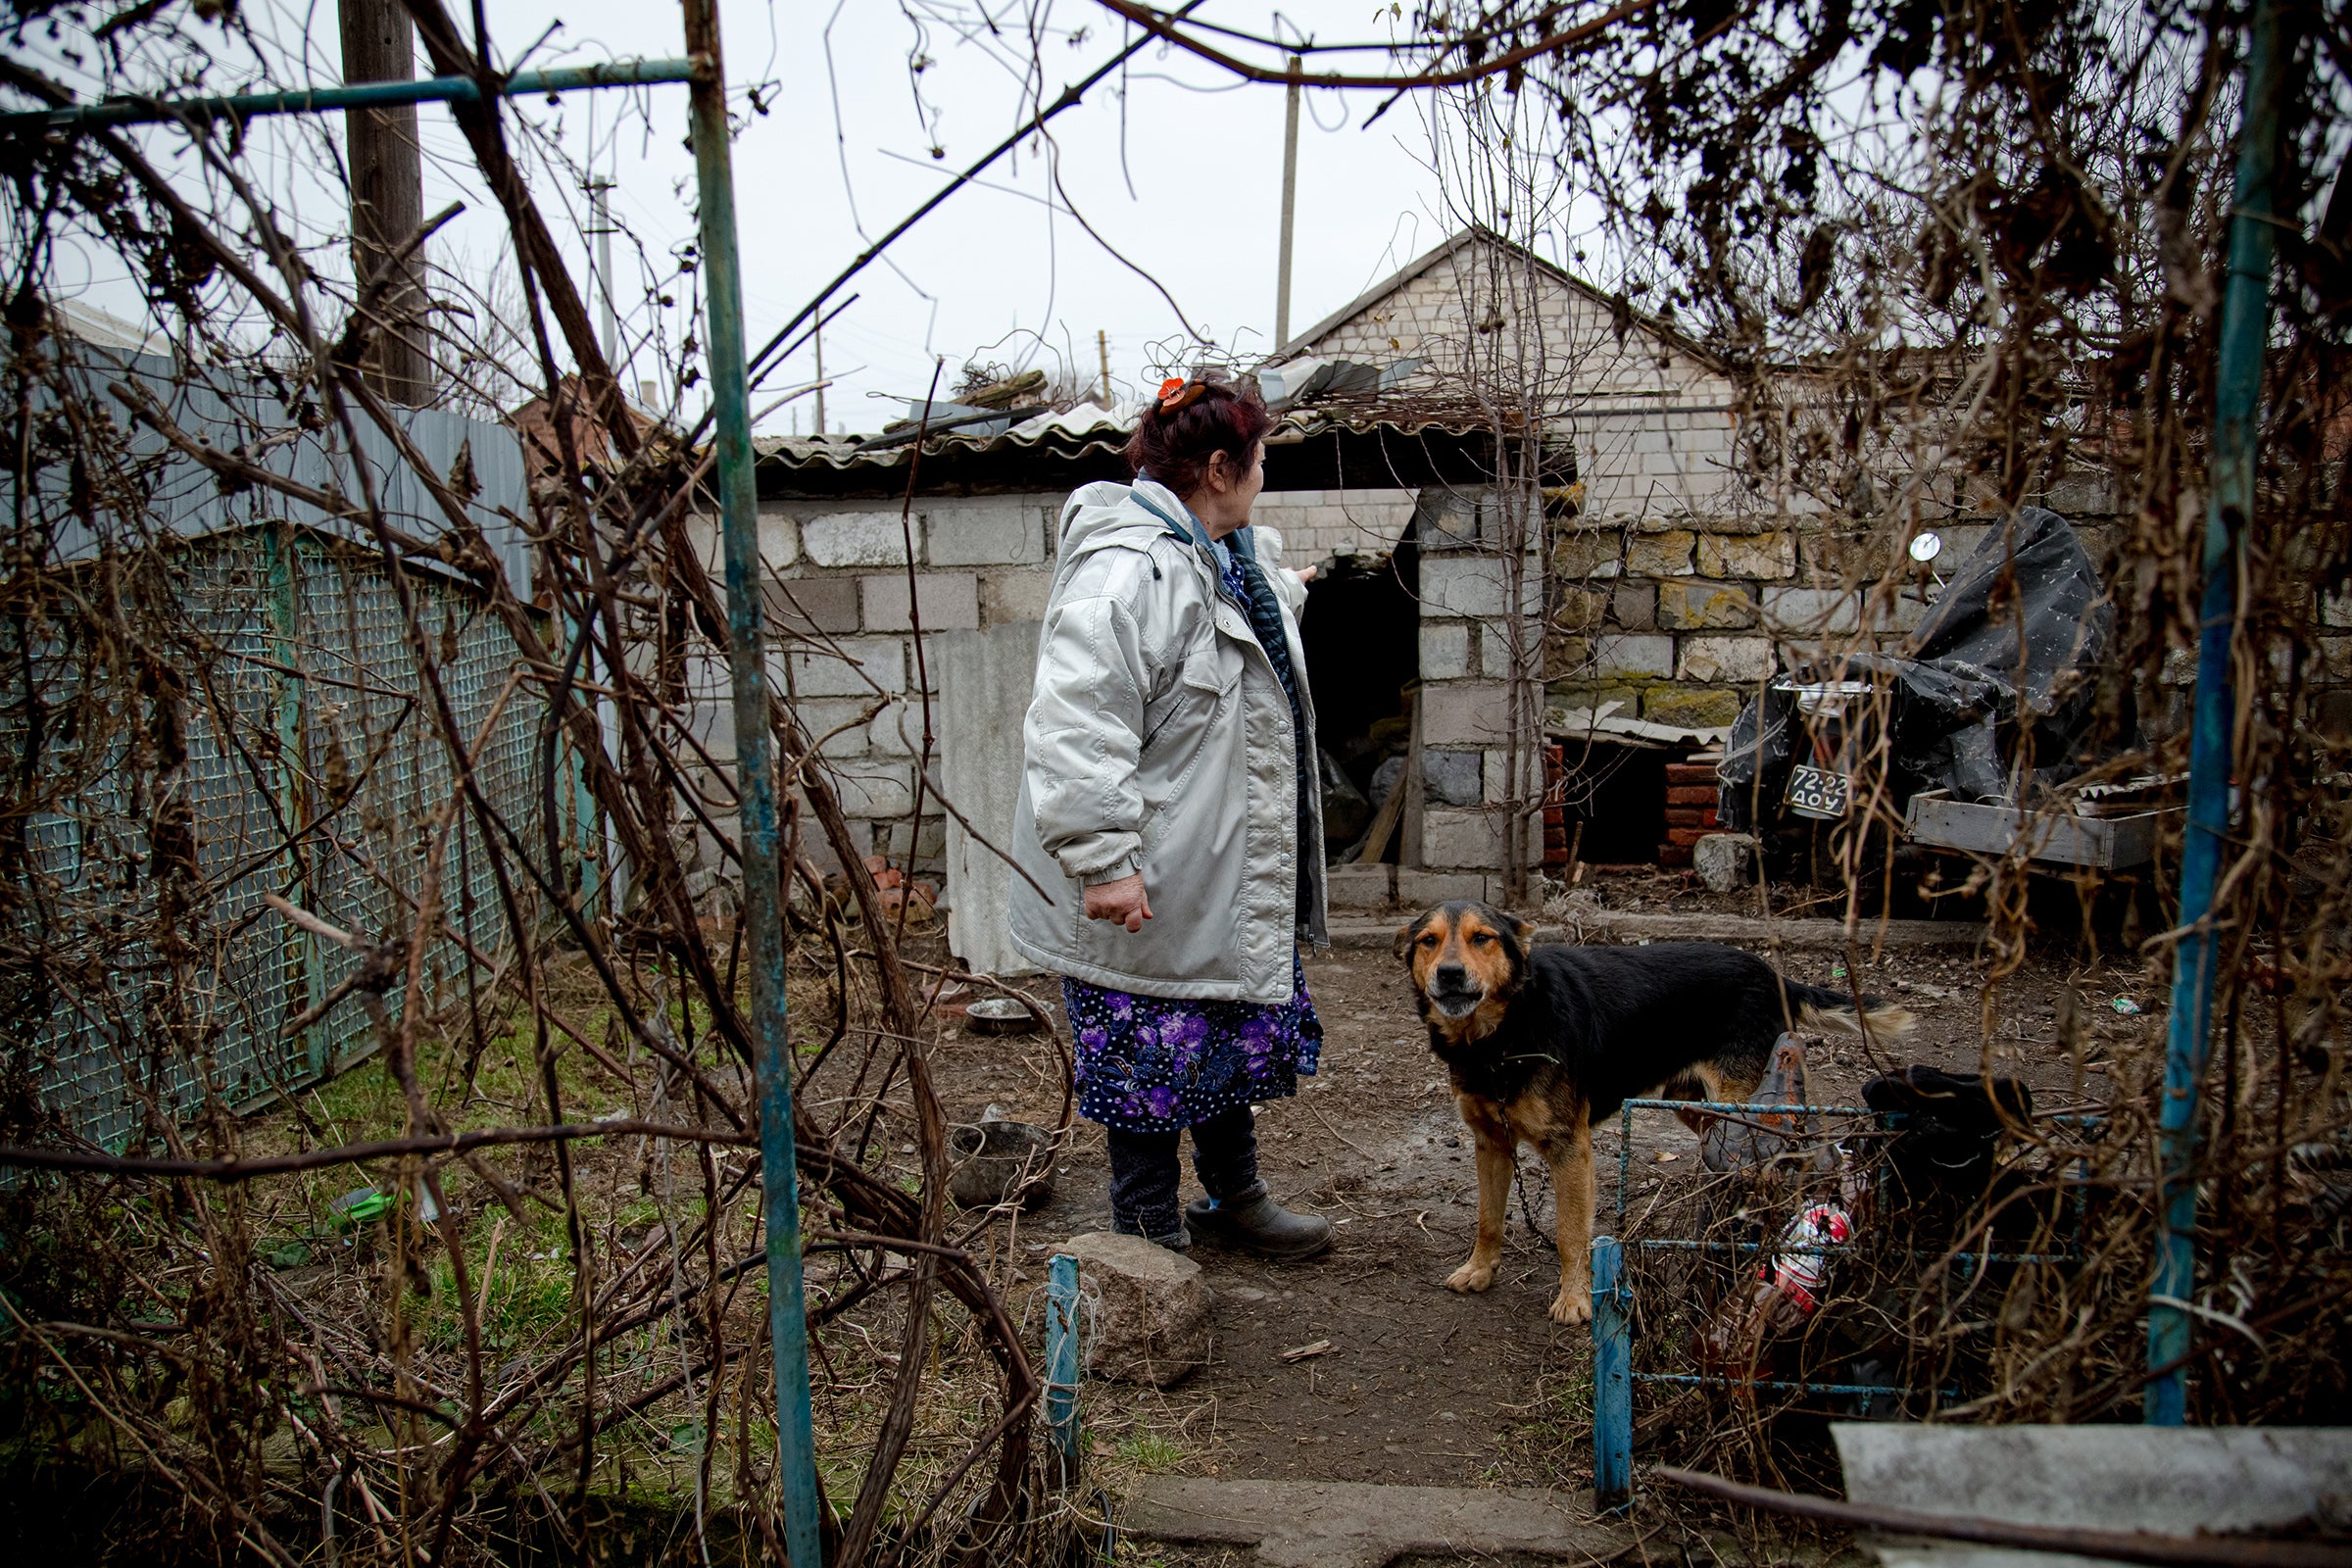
1061	1359
754	782
364	95
2236	426
1612	1381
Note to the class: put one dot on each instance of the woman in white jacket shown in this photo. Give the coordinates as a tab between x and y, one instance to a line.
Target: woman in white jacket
1169	798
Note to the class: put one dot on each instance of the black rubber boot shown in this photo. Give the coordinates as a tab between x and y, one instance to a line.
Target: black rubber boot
1253	1222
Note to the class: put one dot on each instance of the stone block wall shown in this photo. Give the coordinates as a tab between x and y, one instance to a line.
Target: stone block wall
1683	580
1468	602
1318	524
1695	555
836	573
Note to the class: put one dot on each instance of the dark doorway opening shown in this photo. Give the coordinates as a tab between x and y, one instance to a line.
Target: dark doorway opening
1618	793
1362	636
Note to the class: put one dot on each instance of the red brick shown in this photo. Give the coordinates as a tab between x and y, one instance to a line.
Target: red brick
1691	815
1689	795
1684	836
1690	773
1674	854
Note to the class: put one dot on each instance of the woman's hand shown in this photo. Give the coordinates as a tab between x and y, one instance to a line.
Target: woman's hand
1121	901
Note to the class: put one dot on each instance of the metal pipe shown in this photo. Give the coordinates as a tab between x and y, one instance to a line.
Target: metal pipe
1750	1109
1717	1380
364	95
2236	428
754	783
1612	1380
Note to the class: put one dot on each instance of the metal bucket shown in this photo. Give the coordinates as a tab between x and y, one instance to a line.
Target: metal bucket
987	1162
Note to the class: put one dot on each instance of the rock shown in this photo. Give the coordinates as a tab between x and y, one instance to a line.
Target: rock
1725	861
1454	778
1345	812
1448	778
1149	1318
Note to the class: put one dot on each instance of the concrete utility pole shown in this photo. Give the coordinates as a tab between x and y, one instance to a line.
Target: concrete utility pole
1102	345
817	335
387	198
600	223
1290	205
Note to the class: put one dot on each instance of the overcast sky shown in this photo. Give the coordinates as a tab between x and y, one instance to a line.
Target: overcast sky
997	274
1176	164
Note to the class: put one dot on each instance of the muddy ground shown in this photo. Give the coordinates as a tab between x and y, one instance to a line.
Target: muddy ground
1420	1385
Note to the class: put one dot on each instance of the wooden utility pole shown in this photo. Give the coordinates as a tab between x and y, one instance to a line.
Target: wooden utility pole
1102	346
387	200
1290	205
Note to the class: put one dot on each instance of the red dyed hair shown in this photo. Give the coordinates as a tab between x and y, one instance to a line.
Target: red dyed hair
1175	448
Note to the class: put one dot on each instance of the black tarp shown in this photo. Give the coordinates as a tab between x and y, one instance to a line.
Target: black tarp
1966	690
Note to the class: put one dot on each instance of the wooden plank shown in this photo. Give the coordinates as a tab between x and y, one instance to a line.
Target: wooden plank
1392	807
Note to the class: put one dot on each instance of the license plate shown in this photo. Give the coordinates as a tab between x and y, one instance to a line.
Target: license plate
1818	793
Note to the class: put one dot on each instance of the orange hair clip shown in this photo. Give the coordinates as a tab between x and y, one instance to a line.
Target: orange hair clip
1176	393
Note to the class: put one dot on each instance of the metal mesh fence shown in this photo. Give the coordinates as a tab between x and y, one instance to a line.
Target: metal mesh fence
314	769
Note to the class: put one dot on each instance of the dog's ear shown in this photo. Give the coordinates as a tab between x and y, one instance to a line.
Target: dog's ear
1403	946
1513	929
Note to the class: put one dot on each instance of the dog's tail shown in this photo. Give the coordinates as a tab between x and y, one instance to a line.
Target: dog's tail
1819	1007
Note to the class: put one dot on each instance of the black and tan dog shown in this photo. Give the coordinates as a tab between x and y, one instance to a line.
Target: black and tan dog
1542	1042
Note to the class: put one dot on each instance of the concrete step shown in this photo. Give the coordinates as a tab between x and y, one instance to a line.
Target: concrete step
1356	1524
1358	931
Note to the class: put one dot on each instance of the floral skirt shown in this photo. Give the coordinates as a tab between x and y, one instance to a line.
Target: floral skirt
1159	1064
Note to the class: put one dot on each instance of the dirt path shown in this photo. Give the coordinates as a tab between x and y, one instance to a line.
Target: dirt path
1422	1386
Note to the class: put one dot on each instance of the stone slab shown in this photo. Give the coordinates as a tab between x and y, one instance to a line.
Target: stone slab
2169	1480
860	538
1015	594
1477	586
1632	925
995	532
1464	714
1633	653
1362	887
950	601
984	685
1418	889
1695	604
868	666
1462	841
1735	660
808	605
1444	650
1356	1524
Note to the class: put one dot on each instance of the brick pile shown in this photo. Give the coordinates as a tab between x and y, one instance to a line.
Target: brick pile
1690	809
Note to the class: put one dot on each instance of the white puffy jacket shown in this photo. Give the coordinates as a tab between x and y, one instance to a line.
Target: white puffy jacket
1158	740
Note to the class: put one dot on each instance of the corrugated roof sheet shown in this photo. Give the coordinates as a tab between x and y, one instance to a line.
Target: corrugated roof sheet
1310	397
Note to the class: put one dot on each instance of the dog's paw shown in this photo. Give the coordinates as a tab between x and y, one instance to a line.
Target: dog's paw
1571	1307
1471	1278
